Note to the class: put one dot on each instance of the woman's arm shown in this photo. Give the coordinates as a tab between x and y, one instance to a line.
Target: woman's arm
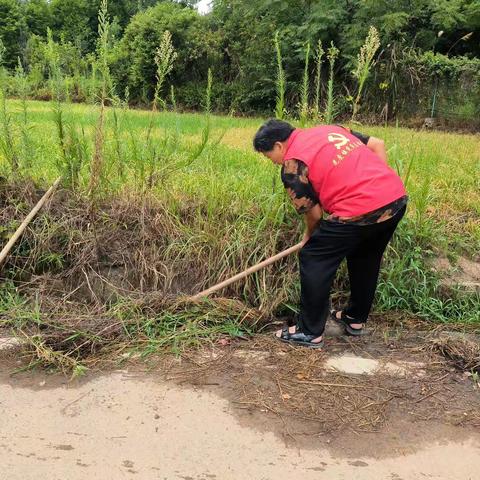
376	145
312	217
300	190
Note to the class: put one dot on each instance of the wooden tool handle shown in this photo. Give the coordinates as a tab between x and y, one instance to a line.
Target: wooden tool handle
249	271
6	249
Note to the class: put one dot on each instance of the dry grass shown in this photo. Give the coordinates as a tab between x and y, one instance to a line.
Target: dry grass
460	351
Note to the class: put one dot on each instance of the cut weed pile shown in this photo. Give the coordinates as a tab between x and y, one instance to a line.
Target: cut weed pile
73	336
83	281
124	246
462	352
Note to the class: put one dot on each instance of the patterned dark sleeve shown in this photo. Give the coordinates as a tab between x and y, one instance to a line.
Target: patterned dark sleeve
299	189
363	138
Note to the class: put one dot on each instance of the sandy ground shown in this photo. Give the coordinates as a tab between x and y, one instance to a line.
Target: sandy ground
136	425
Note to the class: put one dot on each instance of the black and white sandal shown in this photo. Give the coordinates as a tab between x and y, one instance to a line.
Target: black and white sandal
346	323
299	338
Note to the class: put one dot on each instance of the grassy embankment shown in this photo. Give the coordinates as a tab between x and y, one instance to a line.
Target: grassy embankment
187	222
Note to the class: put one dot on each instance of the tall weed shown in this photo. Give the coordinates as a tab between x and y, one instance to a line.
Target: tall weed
319	52
304	91
280	107
27	144
165	57
73	150
330	110
364	65
98	159
8	144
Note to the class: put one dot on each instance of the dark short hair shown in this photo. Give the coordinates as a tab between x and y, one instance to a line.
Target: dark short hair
270	132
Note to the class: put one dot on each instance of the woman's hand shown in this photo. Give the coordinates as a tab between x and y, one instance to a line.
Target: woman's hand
312	217
376	145
305	239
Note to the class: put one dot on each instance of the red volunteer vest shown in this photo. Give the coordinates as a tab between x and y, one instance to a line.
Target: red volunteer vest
347	176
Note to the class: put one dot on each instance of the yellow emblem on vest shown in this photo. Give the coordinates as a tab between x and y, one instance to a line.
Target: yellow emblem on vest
338	140
343	144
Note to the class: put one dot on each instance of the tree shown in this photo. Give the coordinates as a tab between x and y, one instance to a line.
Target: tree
38	17
134	55
12	31
72	21
248	30
423	24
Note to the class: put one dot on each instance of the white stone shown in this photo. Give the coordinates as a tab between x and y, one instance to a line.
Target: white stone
354	365
6	343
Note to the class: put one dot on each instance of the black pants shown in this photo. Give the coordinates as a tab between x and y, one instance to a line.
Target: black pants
330	243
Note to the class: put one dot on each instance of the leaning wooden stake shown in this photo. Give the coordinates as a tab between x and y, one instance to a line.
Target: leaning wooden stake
6	249
248	271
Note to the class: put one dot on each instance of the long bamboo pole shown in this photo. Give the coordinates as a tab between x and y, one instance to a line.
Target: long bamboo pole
248	271
6	249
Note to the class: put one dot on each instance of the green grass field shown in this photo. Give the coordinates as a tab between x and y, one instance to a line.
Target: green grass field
226	209
442	170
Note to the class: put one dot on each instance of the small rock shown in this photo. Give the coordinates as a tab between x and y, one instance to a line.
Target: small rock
7	343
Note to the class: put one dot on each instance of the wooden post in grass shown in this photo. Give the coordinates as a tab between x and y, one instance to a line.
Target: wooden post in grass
6	249
248	271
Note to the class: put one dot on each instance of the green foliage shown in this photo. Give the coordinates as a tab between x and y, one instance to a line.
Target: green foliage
74	21
38	16
12	27
304	91
280	81
449	85
332	55
133	58
364	65
235	40
443	65
407	266
164	59
449	15
319	52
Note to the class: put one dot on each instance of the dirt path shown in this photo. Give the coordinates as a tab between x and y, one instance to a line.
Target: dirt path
136	425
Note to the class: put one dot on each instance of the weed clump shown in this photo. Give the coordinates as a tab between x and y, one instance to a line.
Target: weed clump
462	352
